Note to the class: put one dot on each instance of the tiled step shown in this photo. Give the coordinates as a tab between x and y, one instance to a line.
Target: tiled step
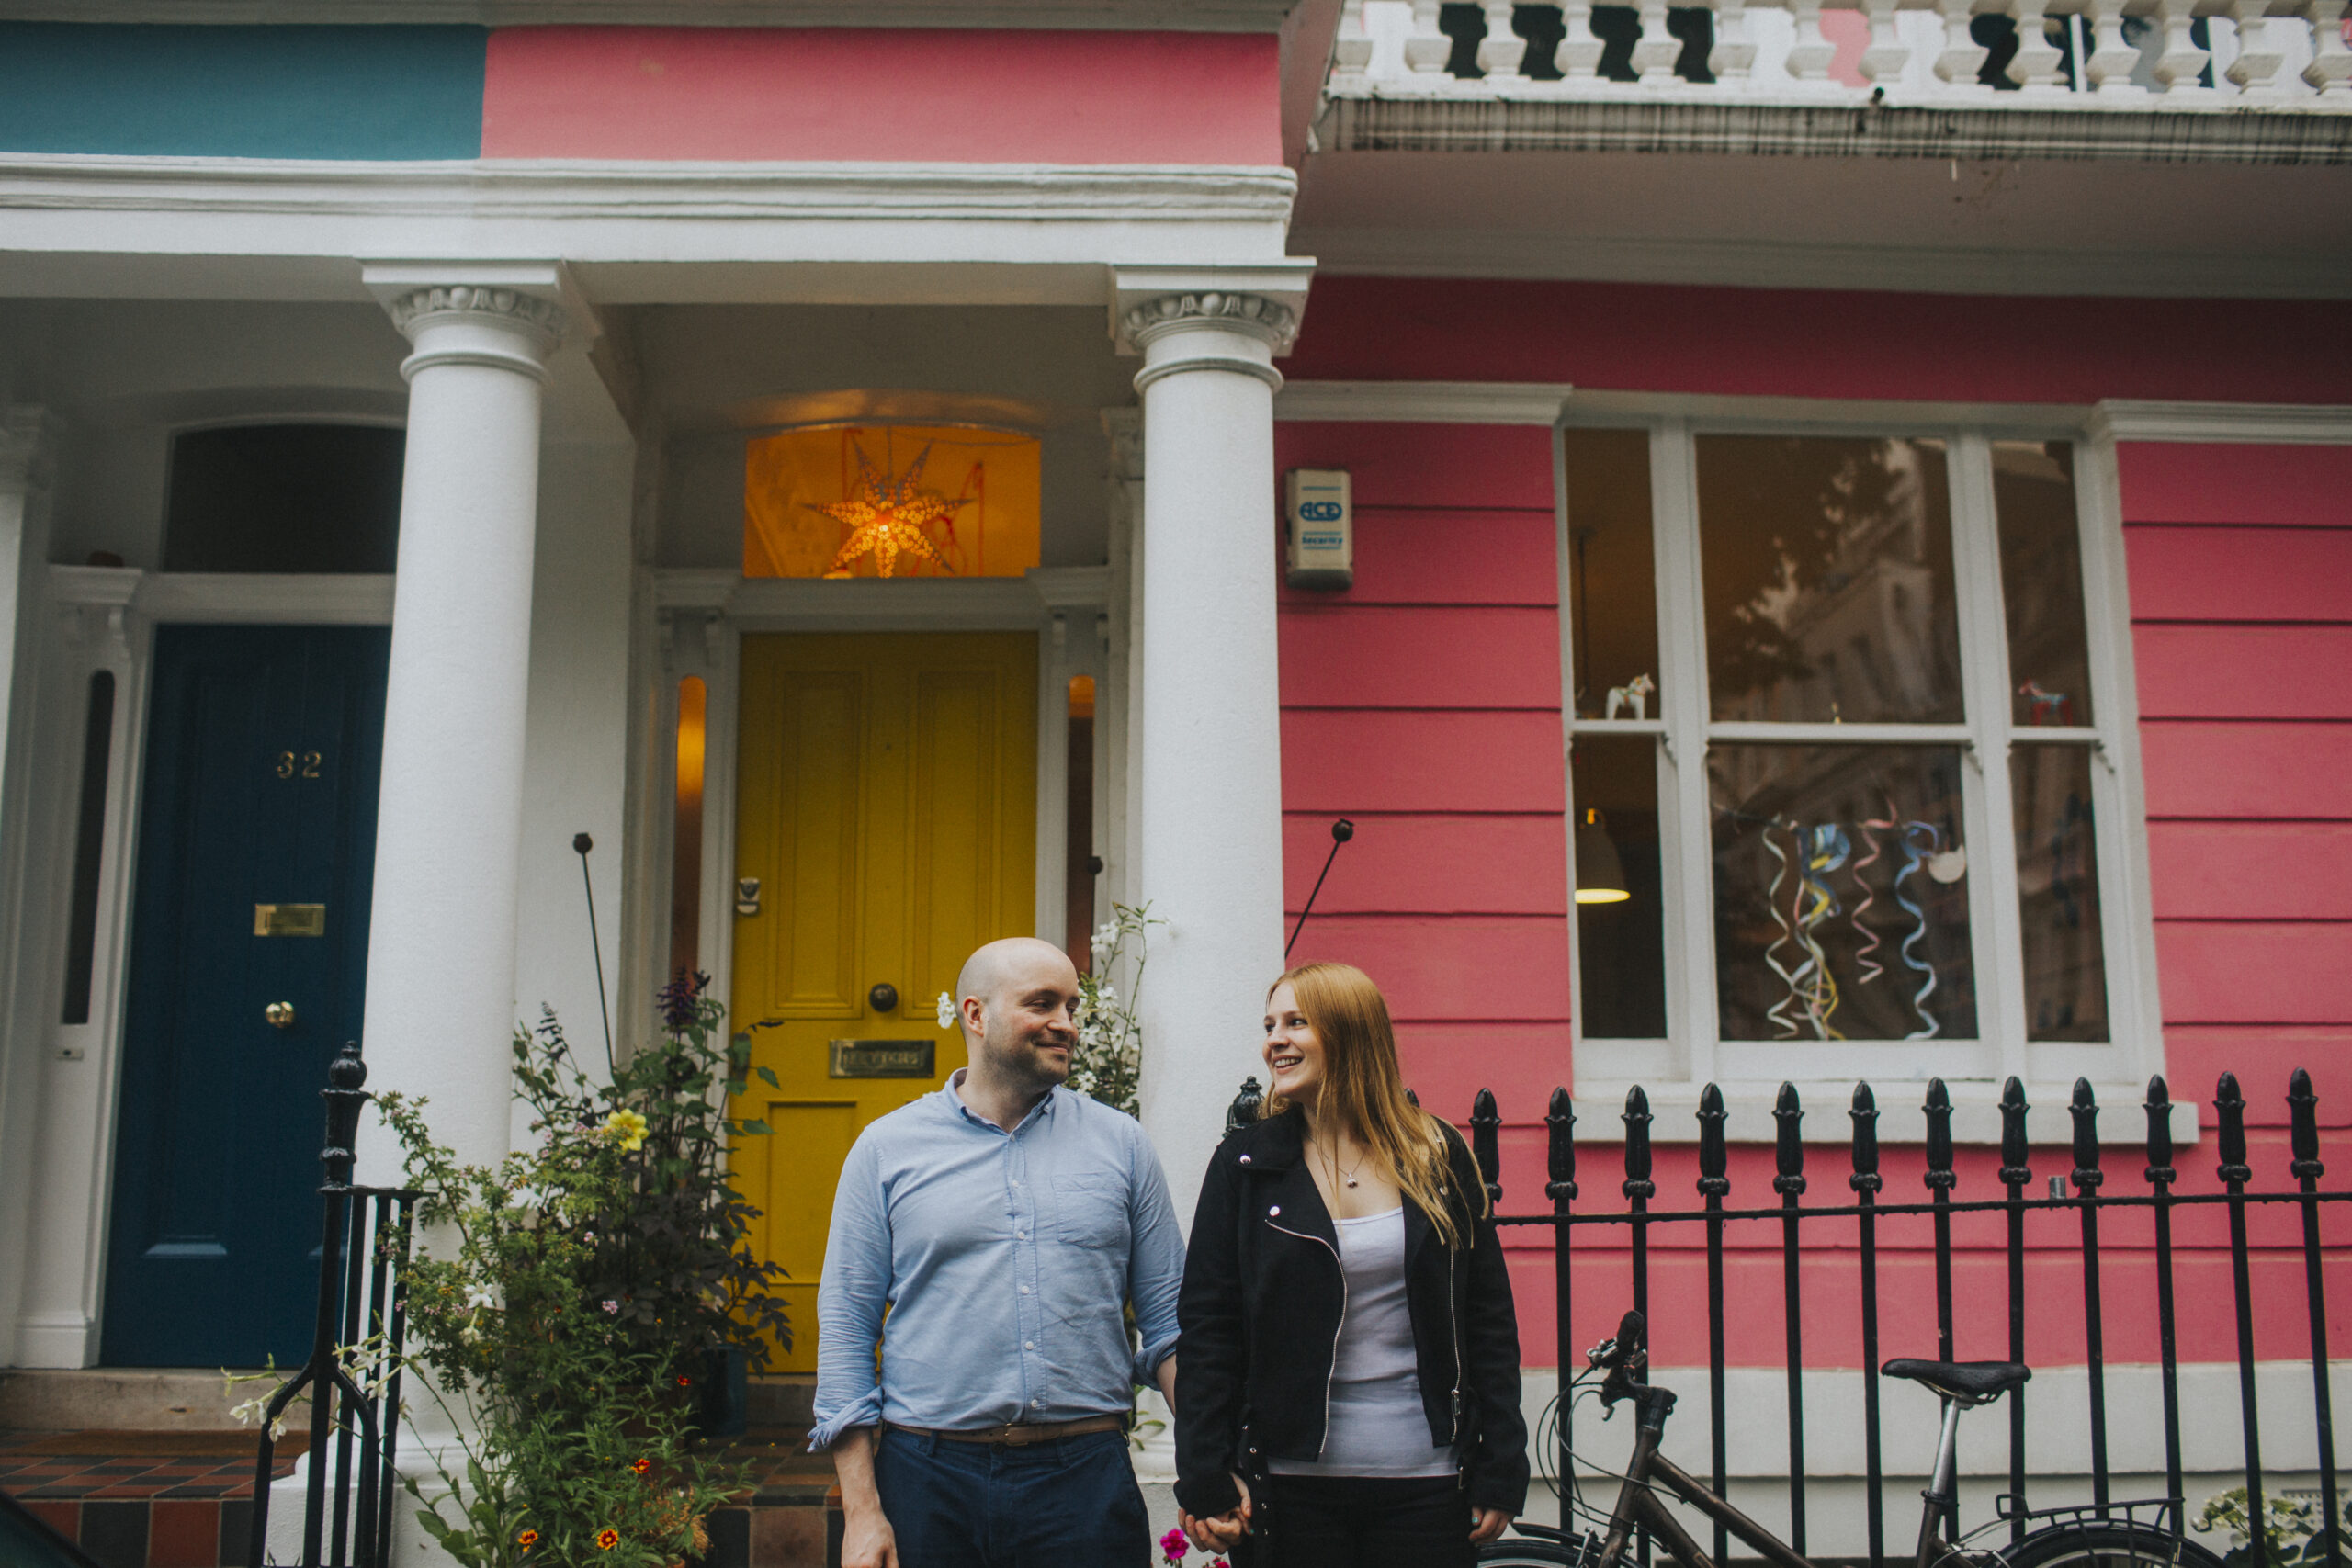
792	1515
141	1499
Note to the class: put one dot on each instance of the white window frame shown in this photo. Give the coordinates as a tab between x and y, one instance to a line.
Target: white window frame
1672	1070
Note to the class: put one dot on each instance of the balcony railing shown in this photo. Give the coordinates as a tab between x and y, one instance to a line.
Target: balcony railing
2169	80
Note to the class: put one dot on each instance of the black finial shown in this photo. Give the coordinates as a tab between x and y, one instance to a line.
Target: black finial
2232	1105
1939	1110
347	1071
1343	830
1864	1112
1244	1109
1636	1116
2159	1108
344	1097
581	843
2302	1111
1712	1159
1789	1151
2085	1111
2014	1171
1560	1148
1486	1134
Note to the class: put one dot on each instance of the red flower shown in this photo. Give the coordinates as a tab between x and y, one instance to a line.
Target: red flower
527	1540
607	1538
684	1381
641	1466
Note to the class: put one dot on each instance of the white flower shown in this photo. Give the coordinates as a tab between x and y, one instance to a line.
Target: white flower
947	1011
480	1297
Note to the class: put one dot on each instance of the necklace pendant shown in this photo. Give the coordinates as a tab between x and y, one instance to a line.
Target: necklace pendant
1352	1181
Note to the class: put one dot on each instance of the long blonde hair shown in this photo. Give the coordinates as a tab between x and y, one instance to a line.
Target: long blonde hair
1364	1085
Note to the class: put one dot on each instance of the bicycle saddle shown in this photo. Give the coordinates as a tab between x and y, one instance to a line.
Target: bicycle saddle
1970	1383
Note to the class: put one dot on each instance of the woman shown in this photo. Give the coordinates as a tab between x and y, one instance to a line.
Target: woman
1347	1389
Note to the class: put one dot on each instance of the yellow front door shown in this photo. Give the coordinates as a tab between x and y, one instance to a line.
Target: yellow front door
887	804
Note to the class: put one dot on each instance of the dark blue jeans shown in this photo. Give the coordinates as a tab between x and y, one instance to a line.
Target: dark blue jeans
1055	1505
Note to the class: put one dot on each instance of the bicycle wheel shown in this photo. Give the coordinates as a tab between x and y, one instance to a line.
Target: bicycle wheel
2109	1545
1550	1549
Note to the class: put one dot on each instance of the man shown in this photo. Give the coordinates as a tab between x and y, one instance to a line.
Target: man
1004	1223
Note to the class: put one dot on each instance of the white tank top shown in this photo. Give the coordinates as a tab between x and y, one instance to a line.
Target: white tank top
1376	1426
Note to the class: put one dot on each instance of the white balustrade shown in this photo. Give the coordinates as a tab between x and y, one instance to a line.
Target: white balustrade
2114	55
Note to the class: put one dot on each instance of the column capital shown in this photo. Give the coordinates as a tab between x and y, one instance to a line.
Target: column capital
509	315
1264	300
28	446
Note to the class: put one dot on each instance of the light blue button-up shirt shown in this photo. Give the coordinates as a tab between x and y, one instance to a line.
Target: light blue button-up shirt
1002	1259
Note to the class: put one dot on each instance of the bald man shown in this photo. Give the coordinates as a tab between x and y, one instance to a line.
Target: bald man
1005	1224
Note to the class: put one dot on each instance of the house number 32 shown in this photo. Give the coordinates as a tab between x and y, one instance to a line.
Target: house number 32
299	764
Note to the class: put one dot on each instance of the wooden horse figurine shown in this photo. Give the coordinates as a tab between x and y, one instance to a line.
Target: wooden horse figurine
1635	694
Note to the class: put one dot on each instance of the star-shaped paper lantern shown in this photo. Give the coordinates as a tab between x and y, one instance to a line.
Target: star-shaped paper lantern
888	518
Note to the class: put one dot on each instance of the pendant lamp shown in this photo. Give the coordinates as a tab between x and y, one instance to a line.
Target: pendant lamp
1600	875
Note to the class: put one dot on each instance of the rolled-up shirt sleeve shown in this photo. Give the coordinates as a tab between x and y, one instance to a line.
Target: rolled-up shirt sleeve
1155	1263
850	1303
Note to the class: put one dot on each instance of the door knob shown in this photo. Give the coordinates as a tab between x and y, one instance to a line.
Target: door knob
883	998
281	1015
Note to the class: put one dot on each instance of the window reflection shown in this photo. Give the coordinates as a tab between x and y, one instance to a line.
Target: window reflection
1613	572
2041	582
2065	972
1840	880
1827	566
1621	910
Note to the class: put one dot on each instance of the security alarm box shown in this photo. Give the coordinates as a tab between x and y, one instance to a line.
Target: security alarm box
1321	532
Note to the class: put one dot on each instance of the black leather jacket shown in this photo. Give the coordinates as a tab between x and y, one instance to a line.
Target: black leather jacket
1259	1319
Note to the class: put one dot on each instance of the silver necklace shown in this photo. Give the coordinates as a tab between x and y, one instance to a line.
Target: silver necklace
1332	1158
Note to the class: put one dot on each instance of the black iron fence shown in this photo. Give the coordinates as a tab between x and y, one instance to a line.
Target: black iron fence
2083	1189
352	1374
2090	1197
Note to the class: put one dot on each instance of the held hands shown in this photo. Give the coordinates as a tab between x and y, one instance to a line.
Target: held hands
1488	1524
1222	1532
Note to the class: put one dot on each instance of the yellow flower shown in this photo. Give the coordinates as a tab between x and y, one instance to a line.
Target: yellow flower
607	1539
627	1129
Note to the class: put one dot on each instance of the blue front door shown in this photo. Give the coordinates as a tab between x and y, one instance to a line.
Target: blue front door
248	960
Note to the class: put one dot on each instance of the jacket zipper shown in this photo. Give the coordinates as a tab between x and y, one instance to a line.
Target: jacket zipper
1453	1343
1334	1372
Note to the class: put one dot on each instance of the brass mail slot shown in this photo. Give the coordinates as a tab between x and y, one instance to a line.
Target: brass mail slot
881	1058
289	919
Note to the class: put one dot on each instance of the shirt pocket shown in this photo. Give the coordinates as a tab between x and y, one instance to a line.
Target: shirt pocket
1090	1211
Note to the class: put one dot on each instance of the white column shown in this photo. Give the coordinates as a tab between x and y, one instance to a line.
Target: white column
441	1006
1210	837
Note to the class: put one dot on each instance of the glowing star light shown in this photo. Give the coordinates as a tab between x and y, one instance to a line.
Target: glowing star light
888	518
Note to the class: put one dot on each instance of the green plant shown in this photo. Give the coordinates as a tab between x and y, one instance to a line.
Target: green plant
2292	1535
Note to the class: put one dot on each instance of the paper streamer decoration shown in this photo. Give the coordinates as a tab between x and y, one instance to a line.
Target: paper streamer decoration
1913	857
1788	1026
1825	849
1870	967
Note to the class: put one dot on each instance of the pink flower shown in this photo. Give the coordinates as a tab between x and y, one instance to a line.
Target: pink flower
1172	1546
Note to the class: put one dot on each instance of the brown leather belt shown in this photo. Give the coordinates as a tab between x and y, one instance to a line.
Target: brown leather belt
1019	1434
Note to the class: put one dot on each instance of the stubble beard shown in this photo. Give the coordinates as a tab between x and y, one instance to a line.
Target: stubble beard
1017	1059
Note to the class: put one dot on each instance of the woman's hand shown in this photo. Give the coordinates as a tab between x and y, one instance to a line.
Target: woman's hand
1224	1531
1488	1526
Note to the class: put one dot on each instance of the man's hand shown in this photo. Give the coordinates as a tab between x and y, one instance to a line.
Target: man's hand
1489	1524
866	1538
1223	1532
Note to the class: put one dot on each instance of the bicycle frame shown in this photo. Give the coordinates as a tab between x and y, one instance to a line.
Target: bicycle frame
1638	1504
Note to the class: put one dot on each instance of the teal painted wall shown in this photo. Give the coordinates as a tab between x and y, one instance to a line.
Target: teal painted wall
240	92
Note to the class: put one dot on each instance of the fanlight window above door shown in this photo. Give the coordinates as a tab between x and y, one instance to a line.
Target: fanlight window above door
890	501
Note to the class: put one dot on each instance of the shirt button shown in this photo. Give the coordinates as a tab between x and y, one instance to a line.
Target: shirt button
1024	1289
1021	1235
1036	1404
1028	1343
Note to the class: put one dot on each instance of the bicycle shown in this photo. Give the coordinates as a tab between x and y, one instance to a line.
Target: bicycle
2073	1537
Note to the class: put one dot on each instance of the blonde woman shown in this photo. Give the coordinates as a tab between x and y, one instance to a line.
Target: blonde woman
1347	1394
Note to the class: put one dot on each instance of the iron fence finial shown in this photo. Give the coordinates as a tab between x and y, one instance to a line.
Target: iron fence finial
1938	1108
1713	1158
1864	1113
1560	1148
1636	1116
1244	1109
1485	1128
2159	1108
2232	1106
2014	1170
1789	1144
2085	1111
2303	1111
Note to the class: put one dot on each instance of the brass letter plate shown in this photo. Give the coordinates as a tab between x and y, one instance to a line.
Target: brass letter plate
881	1058
289	919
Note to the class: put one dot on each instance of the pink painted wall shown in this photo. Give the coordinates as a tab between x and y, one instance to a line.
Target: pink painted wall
2240	574
1789	342
882	95
1424	703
